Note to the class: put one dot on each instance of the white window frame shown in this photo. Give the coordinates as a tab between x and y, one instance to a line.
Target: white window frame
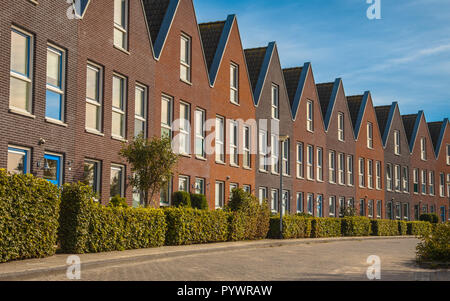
448	155
416	181
202	189
275	154
122	28
247	143
185	63
405	179
341	168
299	202
332	206
341	127
378	175
275	102
370	135
97	174
285	166
263	151
310	203
219	192
122	180
62	86
200	133
262	194
397	180
274	199
310	162
141	90
361	171
389	178
186	180
300	160
319	164
424	182
442	185
310	116
98	103
370	174
431	182
397	142
185	129
123	110
220	139
234	143
332	167
167	126
234	83
423	149
350	171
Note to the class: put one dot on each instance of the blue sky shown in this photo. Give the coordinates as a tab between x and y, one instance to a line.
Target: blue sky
404	57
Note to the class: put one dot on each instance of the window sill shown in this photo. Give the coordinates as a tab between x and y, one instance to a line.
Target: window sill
234	165
21	112
235	103
221	163
94	132
300	178
34	2
200	158
311	180
121	139
121	49
263	171
186	82
247	168
185	155
55	122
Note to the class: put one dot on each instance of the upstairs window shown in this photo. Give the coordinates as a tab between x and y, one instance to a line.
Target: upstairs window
220	140
416	180
120	23
389	180
20	87
397	142
275	154
263	151
378	174
341	169
247	145
94	98
200	133
424	182
275	102
319	164
185	58
166	116
397	178
300	172
234	138
341	129
285	158
350	177
405	179
431	182
370	174
54	108
310	162
361	173
310	116
332	167
140	111
119	107
423	149
185	129
369	135
442	185
234	84
448	154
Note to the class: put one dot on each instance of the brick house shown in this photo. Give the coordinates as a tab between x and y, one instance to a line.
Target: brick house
397	160
440	134
309	141
274	116
423	164
340	147
232	106
369	156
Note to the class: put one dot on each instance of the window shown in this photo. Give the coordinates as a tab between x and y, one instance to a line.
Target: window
92	175
247	188
185	129
220	194
397	142
389	180
275	102
351	203
262	196
300	172
310	116
431	182
389	210
405	179
332	206
54	107
424	182
310	203
53	166
350	177
20	86
200	186
234	138
118	107
398	211
285	158
247	144
274	200
406	211
234	84
185	58
117	181
341	206
319	206
233	186
140	111
369	135
361	173
379	209
18	160
423	149
275	153
448	154
416	180
448	185
370	174
319	164
341	130
220	141
362	207
341	169
94	98
378	175
300	202
120	23
332	167
183	183
397	185
310	162
263	151
370	208
285	201
166	116
200	133
441	184
166	192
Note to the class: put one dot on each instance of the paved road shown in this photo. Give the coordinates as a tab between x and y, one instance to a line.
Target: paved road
317	261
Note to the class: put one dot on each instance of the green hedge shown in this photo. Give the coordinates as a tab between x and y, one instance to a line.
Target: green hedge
429	217
356	226
402	228
181	199
419	228
293	227
187	226
435	246
382	227
198	201
325	227
29	210
88	227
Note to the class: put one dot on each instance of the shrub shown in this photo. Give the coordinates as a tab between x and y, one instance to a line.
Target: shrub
304	215
402	227
89	227
118	202
435	246
198	201
383	227
356	226
348	211
325	227
429	217
293	227
186	226
181	199
29	210
419	228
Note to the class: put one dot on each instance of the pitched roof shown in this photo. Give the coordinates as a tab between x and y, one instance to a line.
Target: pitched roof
435	131
354	106
382	113
255	59
409	122
325	92
292	78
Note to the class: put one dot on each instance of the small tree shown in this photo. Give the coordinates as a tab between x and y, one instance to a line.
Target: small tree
152	161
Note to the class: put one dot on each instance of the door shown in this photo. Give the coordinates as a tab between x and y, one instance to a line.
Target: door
52	169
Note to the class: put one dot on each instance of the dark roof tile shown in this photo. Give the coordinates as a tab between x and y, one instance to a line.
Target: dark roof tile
155	10
435	131
210	34
409	121
354	105
325	90
382	113
292	78
255	59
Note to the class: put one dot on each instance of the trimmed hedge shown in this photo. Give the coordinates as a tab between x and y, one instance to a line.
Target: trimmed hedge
89	227
435	246
402	228
293	227
198	201
325	227
429	217
356	226
383	227
29	210
186	226
181	199
419	228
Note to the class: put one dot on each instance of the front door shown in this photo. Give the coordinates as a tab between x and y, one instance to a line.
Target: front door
52	169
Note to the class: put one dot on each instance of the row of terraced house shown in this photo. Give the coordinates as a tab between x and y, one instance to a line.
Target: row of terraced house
79	79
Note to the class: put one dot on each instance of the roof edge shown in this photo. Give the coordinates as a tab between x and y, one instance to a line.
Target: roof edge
165	27
362	109
332	103
387	130
441	137
300	87
415	130
263	72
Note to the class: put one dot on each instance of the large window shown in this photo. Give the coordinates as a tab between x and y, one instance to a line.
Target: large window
92	175
183	183
166	116
119	107
379	209
378	174
200	133
54	108
247	145
263	150
285	158
300	170
275	102
319	206
416	180
234	140
423	149
262	196
140	111
94	98
341	169
424	182
370	135
310	116
442	185
200	186
319	165
350	177
332	206
310	203
431	182
397	185
397	142
220	140
18	160
332	167
310	162
20	87
185	129
341	127
274	200
275	154
219	194
120	23
405	179
389	179
234	84
370	174
370	209
362	182
117	187
300	208
185	58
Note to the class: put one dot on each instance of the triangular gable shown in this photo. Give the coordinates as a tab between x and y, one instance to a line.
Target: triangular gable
299	90
441	133
385	120
359	104
331	103
415	130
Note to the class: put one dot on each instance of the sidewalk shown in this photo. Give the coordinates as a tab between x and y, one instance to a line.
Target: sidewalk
21	270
